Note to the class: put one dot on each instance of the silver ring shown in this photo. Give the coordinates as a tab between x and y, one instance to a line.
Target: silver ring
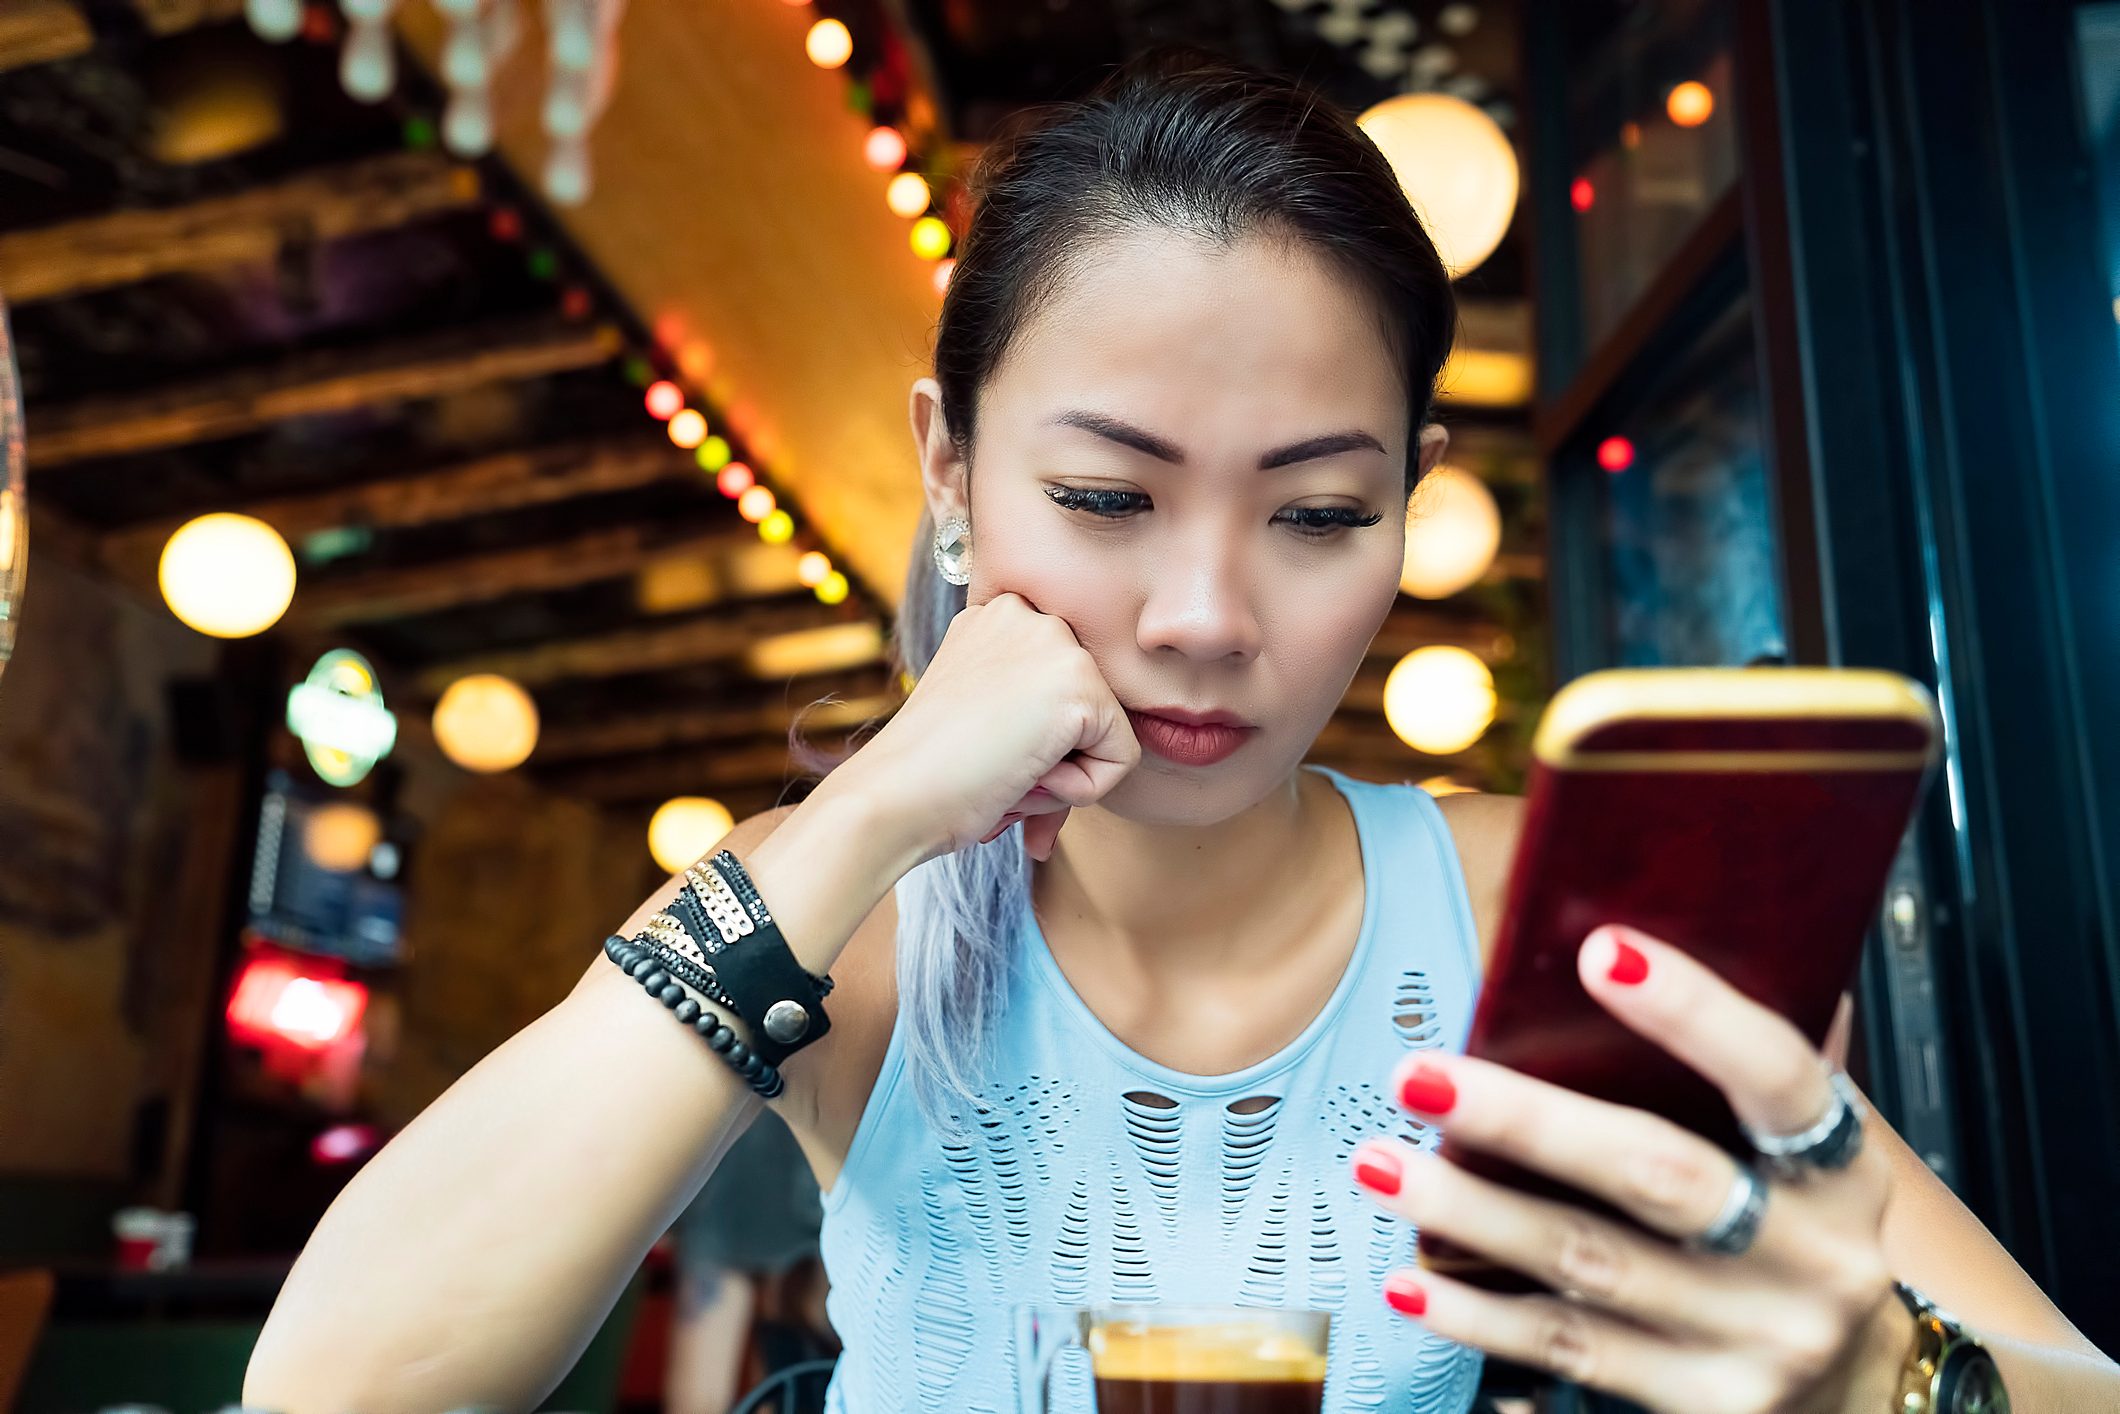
1832	1143
1738	1222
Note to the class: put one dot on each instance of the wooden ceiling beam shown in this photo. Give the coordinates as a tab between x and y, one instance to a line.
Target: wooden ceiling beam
657	648
666	774
42	31
505	481
304	385
864	694
397	593
97	252
1409	627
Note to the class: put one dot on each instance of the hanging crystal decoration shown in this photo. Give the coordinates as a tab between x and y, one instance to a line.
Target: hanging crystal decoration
368	64
582	62
14	523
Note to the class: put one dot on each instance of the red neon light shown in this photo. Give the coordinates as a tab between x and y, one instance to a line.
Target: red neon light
1615	454
276	1002
1581	195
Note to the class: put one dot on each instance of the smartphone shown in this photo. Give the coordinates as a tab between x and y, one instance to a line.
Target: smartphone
1747	815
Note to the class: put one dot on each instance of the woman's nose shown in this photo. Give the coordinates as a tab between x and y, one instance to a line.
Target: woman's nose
1200	603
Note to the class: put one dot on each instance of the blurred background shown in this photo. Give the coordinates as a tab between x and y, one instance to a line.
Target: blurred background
455	438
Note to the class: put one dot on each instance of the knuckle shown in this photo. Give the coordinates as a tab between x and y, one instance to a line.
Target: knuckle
1589	1259
1859	1278
1561	1341
1668	1179
1791	1085
1807	1346
1753	1389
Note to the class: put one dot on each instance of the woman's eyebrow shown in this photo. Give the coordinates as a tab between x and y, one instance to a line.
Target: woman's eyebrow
1163	449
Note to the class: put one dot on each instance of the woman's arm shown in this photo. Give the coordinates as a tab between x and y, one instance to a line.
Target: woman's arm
472	1259
1934	1244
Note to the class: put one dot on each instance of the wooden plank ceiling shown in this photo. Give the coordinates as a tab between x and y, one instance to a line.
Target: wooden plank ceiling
355	343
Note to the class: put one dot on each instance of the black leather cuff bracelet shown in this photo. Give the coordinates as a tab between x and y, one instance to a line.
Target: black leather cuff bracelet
783	1003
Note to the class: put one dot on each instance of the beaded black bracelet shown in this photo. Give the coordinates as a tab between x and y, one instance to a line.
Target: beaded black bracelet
644	967
701	979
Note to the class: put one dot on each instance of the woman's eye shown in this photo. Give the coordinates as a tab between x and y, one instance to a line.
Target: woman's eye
1319	522
1109	504
1310	522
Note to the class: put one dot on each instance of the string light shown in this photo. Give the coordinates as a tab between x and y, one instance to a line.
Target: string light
832	588
777	528
734	479
907	195
755	504
812	568
1690	104
1615	454
688	429
685	830
1456	167
944	269
485	723
227	575
664	399
930	238
713	454
1439	699
1453	530
828	44
884	149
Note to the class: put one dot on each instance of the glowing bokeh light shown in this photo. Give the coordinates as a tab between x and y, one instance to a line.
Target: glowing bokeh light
829	44
227	575
688	429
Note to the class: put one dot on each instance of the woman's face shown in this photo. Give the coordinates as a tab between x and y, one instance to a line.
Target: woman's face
1196	456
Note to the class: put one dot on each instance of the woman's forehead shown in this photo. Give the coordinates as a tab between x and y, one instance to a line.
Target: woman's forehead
1164	325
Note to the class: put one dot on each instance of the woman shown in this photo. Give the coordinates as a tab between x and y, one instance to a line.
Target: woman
1199	1050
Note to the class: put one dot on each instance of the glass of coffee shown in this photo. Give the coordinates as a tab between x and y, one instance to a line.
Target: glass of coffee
1179	1359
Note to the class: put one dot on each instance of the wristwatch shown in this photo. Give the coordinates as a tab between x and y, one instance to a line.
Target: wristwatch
1948	1370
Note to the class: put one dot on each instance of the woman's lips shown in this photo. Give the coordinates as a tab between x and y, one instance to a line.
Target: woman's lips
1184	743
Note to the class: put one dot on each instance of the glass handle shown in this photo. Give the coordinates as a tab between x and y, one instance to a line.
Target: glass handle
1041	1334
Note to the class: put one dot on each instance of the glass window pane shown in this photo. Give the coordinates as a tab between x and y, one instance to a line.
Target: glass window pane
1694	567
2098	64
1653	133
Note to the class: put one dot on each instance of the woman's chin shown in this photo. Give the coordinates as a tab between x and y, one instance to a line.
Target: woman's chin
1164	792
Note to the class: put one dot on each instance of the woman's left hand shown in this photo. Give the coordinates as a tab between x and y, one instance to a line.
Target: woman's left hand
1804	1319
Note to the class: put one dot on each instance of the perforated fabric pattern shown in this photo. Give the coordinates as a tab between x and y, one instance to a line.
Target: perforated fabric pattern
1088	1173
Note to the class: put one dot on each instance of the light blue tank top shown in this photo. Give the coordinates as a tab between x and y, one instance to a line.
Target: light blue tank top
1096	1175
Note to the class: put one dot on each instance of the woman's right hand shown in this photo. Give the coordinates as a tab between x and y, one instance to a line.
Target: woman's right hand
1012	720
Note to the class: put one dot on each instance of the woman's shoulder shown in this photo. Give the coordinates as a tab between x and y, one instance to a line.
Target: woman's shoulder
1485	829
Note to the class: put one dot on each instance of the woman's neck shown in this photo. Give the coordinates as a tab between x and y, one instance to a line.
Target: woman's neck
1178	900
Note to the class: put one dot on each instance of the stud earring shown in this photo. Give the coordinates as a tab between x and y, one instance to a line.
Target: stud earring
953	550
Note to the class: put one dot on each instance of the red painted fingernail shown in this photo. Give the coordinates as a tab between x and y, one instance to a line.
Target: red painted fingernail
1428	1090
1377	1168
1628	965
1405	1294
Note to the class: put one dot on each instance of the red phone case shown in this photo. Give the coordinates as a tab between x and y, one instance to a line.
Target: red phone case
1747	815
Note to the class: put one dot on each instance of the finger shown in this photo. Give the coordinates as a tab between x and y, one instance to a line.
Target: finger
1555	1334
1007	820
1039	833
1659	1173
1569	1249
1771	1075
1835	1046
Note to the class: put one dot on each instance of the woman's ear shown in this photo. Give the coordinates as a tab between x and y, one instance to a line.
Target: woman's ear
1430	446
941	469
